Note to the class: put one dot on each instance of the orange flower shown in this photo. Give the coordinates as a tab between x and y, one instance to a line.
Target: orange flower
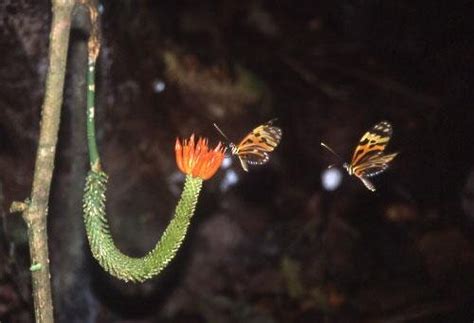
197	159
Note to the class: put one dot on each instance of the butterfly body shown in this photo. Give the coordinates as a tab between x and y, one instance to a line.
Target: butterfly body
256	146
369	159
348	168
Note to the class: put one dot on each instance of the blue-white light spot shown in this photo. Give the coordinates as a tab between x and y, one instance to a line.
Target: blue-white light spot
331	178
227	162
230	179
159	86
175	181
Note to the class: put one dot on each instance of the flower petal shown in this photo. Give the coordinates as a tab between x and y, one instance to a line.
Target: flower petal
196	159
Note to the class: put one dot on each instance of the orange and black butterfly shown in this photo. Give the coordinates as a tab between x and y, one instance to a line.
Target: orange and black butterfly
369	158
256	147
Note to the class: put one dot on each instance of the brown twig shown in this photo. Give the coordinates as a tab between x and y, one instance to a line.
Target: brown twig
93	44
326	88
36	209
11	266
385	84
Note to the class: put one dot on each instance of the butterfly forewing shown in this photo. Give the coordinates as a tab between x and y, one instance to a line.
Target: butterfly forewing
373	142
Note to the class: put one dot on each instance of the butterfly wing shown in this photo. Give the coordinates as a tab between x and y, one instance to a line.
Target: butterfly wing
253	159
374	165
372	142
368	159
254	149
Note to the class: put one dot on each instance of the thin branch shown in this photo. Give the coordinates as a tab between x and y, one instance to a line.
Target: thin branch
36	209
385	84
310	78
11	266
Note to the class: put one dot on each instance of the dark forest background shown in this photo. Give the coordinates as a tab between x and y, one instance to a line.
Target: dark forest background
270	245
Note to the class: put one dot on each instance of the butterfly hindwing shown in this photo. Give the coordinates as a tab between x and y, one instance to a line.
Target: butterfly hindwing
374	165
258	158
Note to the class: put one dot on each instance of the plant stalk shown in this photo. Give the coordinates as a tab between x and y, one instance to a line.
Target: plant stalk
36	211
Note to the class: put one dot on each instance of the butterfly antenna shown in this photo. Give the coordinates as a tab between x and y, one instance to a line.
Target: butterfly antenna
221	132
332	151
270	122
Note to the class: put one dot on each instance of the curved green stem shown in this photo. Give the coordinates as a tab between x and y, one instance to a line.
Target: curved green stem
98	232
91	140
103	247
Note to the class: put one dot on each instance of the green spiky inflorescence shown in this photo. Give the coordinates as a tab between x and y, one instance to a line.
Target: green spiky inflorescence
100	239
102	244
